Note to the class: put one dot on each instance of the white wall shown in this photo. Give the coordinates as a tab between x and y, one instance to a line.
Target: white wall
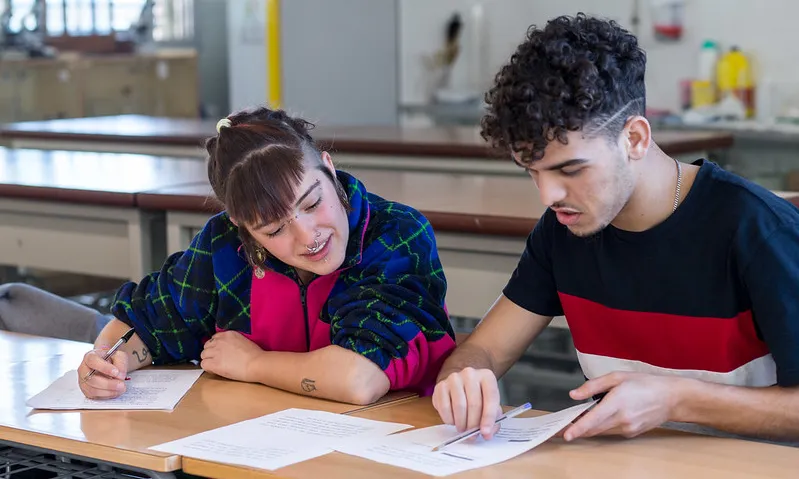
340	60
211	43
246	66
763	29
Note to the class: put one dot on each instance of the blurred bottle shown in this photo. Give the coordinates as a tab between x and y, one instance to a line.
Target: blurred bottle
734	77
702	93
686	95
667	19
708	62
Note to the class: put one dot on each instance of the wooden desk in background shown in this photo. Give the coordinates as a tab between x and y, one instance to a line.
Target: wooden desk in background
28	364
105	213
76	211
452	149
481	224
659	454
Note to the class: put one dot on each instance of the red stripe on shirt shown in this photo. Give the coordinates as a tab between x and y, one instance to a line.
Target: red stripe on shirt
664	340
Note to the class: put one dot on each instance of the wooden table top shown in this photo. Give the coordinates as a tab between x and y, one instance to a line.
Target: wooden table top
124	436
443	141
464	203
19	348
110	179
660	454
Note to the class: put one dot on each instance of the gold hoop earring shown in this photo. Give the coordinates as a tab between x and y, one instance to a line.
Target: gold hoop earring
260	255
260	260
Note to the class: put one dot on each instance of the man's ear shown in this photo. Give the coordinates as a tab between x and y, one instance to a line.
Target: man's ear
637	137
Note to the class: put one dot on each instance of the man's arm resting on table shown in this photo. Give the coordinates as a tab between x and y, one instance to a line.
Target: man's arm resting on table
498	341
331	372
771	412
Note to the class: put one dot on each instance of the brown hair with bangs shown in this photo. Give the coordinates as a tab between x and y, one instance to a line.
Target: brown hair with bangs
256	164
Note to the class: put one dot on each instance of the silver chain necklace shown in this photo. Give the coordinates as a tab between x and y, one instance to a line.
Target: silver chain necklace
679	183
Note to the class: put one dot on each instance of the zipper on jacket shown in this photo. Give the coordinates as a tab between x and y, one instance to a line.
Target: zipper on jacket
303	295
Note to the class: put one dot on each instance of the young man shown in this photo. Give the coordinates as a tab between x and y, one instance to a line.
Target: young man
679	282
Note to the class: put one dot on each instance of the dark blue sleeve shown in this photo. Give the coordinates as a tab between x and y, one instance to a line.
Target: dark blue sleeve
174	310
771	277
393	312
532	284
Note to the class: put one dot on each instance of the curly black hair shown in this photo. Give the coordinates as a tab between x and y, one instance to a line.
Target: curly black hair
578	73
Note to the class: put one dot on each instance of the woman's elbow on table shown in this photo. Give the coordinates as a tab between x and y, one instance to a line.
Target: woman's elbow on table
366	383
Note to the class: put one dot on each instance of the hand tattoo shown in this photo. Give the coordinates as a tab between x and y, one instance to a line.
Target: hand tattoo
308	385
145	352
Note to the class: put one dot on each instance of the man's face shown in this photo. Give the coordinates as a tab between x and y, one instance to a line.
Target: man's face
587	182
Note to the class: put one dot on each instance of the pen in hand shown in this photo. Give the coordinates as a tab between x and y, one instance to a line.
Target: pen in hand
122	340
472	432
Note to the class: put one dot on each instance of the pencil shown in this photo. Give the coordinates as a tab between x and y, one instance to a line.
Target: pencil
472	432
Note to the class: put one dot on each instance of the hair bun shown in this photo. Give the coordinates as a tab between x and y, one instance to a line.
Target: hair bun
223	123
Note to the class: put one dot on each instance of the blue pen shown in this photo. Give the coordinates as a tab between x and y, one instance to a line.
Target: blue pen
471	432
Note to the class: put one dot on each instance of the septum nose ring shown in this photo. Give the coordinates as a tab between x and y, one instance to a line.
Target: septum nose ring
316	245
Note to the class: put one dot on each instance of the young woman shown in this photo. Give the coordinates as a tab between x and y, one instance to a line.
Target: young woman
306	282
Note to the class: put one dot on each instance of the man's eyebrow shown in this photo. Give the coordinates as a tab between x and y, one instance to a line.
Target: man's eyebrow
567	163
564	164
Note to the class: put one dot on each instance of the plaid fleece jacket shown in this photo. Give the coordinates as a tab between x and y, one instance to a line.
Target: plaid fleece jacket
386	304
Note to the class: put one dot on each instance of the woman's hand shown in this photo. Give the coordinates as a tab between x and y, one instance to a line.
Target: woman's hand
229	354
108	380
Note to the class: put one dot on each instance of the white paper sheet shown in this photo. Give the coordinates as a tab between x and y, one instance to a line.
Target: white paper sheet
413	449
147	389
277	440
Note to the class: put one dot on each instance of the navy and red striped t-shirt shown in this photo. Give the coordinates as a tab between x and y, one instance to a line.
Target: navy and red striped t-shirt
711	293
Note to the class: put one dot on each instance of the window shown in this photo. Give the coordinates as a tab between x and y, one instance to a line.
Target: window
172	19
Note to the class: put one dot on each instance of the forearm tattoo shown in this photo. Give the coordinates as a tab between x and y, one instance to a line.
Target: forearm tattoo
145	353
308	385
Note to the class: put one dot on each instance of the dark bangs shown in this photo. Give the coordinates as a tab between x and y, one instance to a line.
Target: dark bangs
261	188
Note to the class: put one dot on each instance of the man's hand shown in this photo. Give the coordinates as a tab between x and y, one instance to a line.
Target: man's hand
634	404
469	398
229	354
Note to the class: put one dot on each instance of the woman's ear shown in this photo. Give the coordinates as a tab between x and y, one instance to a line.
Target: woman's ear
233	220
327	161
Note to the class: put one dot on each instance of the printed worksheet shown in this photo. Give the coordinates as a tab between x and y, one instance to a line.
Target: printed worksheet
280	439
147	389
413	449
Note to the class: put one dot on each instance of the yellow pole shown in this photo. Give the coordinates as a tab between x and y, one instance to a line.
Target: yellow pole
273	64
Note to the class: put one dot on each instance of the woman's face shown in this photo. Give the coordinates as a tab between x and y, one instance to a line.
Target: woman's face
314	236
